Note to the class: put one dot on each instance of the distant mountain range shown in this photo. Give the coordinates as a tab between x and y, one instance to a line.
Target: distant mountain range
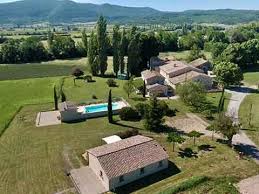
66	11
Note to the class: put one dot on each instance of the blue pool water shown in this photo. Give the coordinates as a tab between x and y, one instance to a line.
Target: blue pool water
100	108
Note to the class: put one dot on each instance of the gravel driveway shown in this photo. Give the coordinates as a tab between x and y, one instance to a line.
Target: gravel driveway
249	186
241	139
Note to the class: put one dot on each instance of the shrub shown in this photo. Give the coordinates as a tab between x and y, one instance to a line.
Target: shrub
94	97
77	72
128	133
129	114
111	83
88	78
141	108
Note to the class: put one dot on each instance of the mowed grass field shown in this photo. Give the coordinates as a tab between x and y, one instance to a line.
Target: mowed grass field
249	113
251	77
17	93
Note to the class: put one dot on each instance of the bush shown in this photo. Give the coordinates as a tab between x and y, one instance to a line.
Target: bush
141	108
129	114
128	133
94	97
77	72
88	78
111	83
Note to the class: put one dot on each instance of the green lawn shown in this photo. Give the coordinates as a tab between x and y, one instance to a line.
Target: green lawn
250	105
251	77
16	93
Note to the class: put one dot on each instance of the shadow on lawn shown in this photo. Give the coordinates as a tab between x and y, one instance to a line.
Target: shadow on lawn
149	180
187	153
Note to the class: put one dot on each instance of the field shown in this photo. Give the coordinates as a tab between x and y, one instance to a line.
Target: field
249	113
17	93
251	77
182	55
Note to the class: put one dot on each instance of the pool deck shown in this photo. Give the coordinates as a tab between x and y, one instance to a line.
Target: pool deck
48	118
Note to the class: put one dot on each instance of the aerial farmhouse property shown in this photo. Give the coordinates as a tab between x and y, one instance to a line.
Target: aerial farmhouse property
125	161
173	73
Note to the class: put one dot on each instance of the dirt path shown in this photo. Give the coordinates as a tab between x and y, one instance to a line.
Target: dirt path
249	186
241	139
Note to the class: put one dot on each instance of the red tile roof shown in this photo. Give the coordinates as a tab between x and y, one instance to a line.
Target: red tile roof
128	155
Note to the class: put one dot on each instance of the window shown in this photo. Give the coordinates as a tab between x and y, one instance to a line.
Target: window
160	164
142	171
121	179
101	174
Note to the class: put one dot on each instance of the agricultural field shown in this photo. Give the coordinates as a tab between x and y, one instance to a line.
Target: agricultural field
182	55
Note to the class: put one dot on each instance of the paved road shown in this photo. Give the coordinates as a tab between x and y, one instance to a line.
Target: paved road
241	139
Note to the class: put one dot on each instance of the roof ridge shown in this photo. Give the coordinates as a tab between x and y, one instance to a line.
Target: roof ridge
125	148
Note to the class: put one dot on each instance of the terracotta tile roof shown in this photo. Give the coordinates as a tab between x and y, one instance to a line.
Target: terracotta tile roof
147	74
128	155
185	77
199	62
173	66
156	87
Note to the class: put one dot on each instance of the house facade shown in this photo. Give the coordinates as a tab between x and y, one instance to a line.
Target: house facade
125	161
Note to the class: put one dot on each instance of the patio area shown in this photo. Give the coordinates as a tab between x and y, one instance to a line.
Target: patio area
86	182
48	118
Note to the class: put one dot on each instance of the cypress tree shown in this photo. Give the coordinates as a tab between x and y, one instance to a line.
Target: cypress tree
134	57
55	98
102	44
110	119
116	48
144	89
63	96
123	50
85	41
153	116
91	54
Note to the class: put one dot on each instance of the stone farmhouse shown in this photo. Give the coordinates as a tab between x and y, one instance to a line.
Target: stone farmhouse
125	161
172	73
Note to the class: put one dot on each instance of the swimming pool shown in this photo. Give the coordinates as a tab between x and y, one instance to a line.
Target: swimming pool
100	107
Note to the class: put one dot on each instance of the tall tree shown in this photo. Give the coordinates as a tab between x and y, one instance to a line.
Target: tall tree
116	49
102	44
149	48
50	38
110	119
129	87
225	126
153	116
92	59
134	57
227	74
55	98
123	50
85	41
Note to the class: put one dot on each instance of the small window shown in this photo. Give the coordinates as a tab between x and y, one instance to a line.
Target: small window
121	179
160	164
101	174
142	171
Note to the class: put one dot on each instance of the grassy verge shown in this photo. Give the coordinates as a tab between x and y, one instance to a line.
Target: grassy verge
249	116
251	76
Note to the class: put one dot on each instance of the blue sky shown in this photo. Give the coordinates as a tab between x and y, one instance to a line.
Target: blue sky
180	5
